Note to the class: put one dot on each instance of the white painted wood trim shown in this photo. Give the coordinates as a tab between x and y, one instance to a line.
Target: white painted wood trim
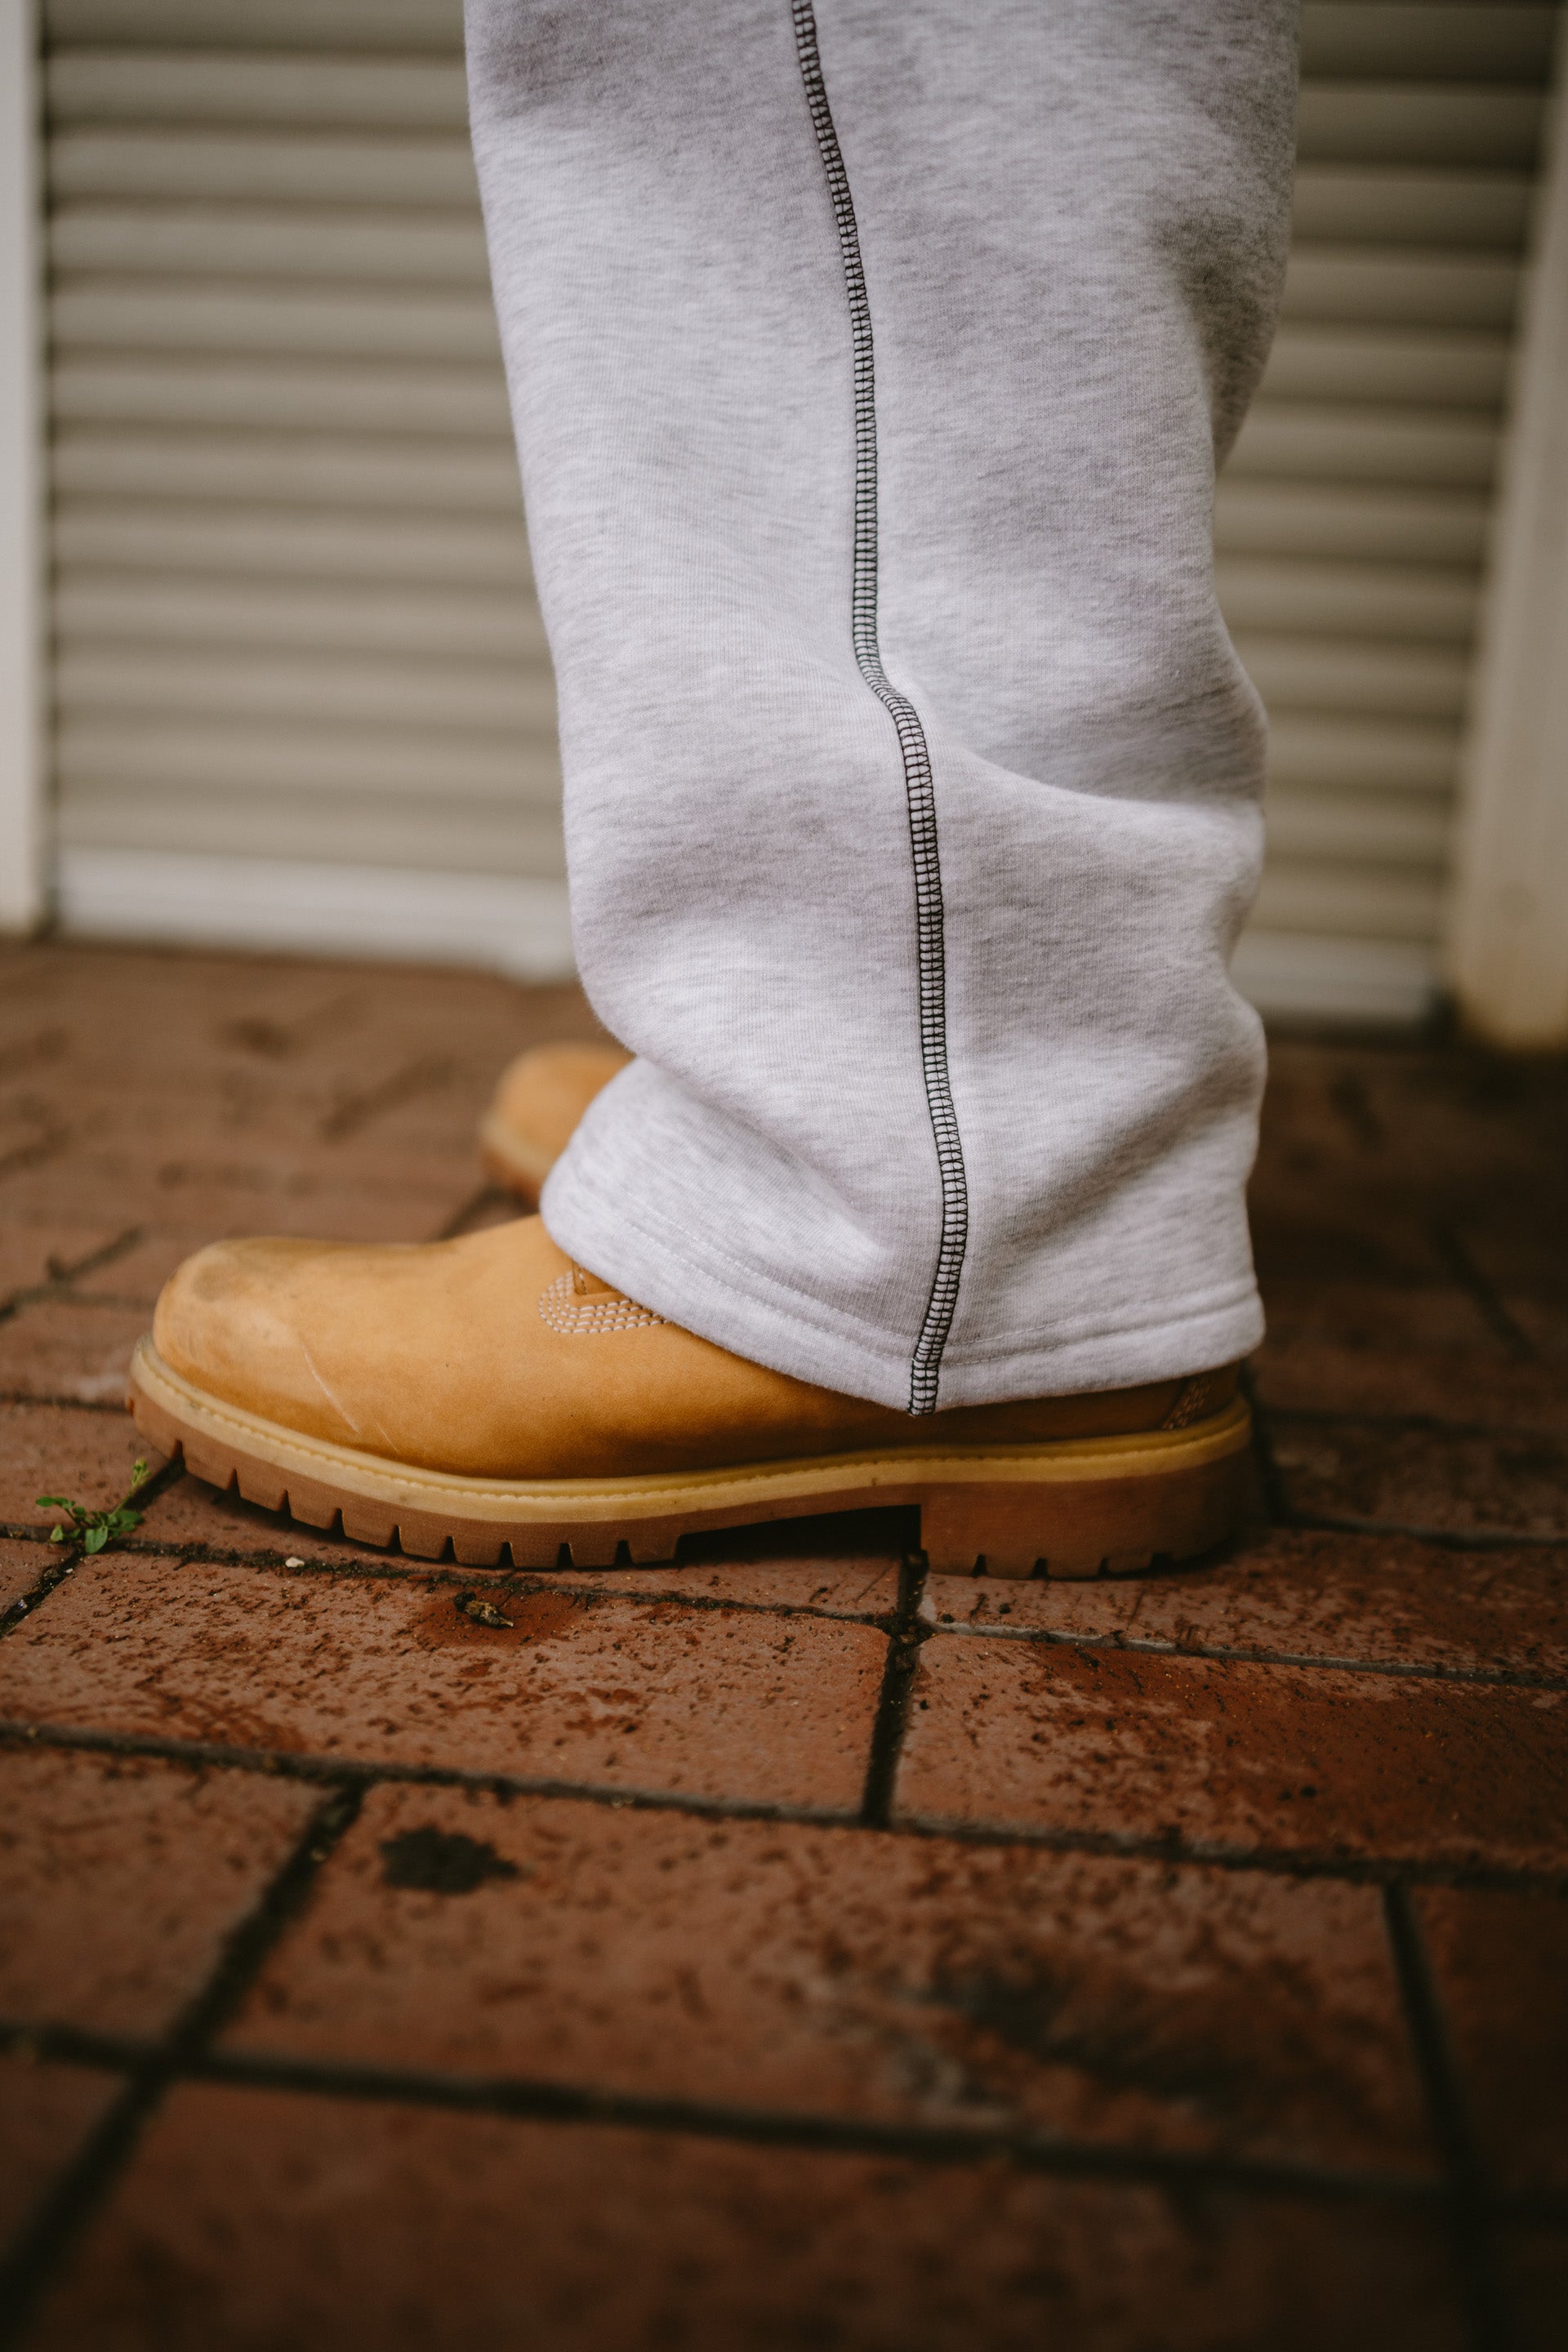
22	807
1508	941
502	922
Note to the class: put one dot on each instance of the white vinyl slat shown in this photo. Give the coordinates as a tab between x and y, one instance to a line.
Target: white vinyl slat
244	88
343	688
1400	288
1291	440
299	168
307	24
397	245
105	608
1389	525
293	608
1338	751
1417	122
1343	201
372	825
1394	602
1344	898
308	764
281	396
298	469
155	314
1405	831
308	543
1347	674
1462	367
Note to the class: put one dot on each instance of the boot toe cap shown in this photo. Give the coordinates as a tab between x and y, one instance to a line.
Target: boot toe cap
222	1322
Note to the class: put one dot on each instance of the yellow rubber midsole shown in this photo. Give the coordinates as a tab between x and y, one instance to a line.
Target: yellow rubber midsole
1062	1461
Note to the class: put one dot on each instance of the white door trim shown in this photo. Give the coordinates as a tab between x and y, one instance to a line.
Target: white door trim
22	805
1508	941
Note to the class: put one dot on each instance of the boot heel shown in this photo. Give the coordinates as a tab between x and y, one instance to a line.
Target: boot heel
1080	1526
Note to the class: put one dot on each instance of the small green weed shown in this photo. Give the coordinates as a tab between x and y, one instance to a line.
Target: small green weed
92	1530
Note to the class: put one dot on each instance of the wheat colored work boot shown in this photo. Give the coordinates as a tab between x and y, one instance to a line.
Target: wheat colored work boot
487	1393
539	1098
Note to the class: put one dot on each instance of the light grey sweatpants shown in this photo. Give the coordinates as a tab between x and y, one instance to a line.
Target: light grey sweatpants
870	362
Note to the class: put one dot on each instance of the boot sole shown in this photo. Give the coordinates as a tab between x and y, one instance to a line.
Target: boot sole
1076	1506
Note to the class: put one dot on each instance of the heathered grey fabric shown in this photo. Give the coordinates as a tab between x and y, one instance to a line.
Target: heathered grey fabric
1071	218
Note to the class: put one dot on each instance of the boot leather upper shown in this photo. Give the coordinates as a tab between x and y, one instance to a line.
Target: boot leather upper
542	1095
491	1356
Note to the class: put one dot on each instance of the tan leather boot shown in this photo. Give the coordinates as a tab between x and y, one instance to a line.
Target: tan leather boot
541	1097
487	1393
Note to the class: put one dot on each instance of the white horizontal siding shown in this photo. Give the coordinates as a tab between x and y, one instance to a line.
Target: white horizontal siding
294	615
224	541
105	608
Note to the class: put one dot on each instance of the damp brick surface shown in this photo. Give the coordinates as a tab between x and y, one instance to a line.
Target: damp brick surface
777	1945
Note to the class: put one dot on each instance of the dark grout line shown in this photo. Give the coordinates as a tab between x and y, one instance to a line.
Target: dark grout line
516	1584
1451	1247
70	2045
426	1074
925	2144
109	1405
535	2100
58	1281
63	1296
50	2043
1477	1539
85	2184
1470	2236
1510	1677
68	1557
63	1560
350	1772
520	1584
1284	1515
906	1636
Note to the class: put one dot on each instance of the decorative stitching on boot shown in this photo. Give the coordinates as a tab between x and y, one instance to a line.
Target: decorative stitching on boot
1193	1399
919	788
566	1310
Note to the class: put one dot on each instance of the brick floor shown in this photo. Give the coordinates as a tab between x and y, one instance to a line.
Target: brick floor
407	2228
777	1947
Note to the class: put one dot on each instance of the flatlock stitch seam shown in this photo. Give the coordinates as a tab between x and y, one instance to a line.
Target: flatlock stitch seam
918	788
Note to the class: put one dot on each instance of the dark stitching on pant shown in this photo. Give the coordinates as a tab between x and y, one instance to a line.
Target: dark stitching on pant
926	1363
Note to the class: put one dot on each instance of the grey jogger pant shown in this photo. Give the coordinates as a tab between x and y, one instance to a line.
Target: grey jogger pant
870	362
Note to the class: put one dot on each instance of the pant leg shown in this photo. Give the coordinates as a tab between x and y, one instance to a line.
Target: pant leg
869	367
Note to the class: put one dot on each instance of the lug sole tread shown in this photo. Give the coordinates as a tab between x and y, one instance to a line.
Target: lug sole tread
1074	1528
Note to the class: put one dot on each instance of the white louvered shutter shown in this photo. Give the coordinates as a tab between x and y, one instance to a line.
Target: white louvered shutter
294	632
294	625
1351	522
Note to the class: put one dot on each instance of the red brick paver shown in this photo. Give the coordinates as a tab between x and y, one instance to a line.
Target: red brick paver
1499	1958
722	1704
798	1969
120	1878
21	1565
775	1947
1234	1758
408	2229
49	1449
48	2112
1293	1595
